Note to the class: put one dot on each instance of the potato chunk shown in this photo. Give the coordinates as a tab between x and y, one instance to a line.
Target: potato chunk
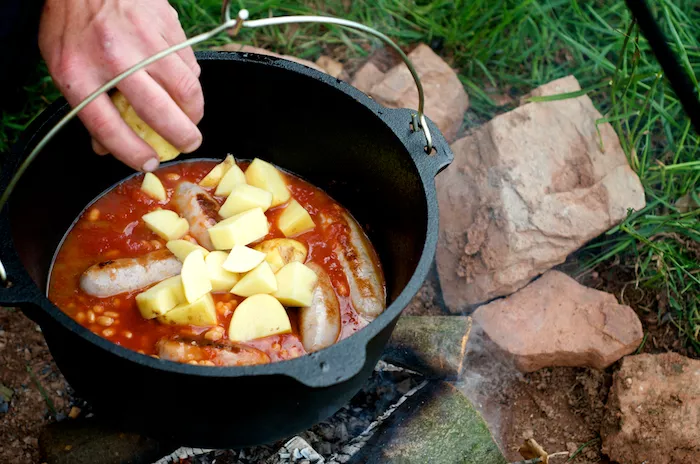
195	277
256	317
281	251
263	175
244	197
259	280
295	285
234	176
166	224
153	187
217	173
201	313
295	220
241	229
182	248
221	279
243	259
162	147
161	298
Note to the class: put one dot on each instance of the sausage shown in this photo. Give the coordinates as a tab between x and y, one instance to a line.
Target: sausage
319	324
199	208
360	263
221	354
123	275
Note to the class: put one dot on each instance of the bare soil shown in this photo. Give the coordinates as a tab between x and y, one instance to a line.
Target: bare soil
26	367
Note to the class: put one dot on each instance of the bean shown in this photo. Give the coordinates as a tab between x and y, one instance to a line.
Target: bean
90	316
172	176
105	321
206	362
127	334
156	244
111	314
80	317
214	334
108	332
98	309
93	215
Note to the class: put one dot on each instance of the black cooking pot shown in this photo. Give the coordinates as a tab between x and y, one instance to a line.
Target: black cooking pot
324	130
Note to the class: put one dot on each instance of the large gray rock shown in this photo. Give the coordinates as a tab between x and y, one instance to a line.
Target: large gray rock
654	411
445	98
524	191
437	424
555	321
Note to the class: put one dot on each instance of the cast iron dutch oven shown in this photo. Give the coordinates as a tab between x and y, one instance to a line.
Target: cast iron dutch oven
331	134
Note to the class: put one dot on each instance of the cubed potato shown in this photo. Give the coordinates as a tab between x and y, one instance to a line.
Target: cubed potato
234	176
153	187
182	248
263	175
217	173
295	285
243	259
256	317
241	229
161	298
201	313
221	279
166	224
195	276
244	197
281	251
295	220
259	280
162	147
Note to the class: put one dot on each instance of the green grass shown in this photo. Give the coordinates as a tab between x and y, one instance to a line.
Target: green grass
513	46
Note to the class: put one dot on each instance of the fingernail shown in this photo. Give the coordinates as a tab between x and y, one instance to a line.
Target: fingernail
192	147
151	165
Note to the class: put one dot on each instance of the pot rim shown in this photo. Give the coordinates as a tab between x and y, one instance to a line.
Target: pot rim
314	369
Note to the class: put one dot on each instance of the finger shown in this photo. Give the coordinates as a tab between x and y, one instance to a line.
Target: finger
105	124
153	104
181	84
98	148
173	35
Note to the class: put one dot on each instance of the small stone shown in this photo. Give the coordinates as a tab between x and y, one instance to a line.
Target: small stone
555	321
330	66
367	76
525	190
74	412
445	98
571	447
324	448
431	345
656	421
325	430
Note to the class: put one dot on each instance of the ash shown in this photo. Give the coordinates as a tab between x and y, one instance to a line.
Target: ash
331	441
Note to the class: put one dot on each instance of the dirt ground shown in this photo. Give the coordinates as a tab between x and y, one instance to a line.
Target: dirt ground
26	368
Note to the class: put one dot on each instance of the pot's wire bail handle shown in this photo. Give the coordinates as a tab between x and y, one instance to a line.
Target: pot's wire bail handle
233	26
242	21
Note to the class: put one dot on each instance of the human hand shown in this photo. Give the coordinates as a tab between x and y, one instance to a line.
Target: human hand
88	42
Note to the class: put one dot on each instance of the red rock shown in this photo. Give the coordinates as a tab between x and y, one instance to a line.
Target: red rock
445	98
234	47
654	411
367	76
555	321
525	190
330	66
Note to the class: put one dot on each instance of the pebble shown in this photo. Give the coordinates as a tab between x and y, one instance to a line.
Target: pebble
341	432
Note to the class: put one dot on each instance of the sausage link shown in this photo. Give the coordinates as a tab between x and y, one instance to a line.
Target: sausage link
319	324
199	208
124	275
186	351
364	274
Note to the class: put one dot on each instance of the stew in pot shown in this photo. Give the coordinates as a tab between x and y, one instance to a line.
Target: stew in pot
218	264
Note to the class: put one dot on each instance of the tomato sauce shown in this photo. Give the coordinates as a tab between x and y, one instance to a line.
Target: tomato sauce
112	228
